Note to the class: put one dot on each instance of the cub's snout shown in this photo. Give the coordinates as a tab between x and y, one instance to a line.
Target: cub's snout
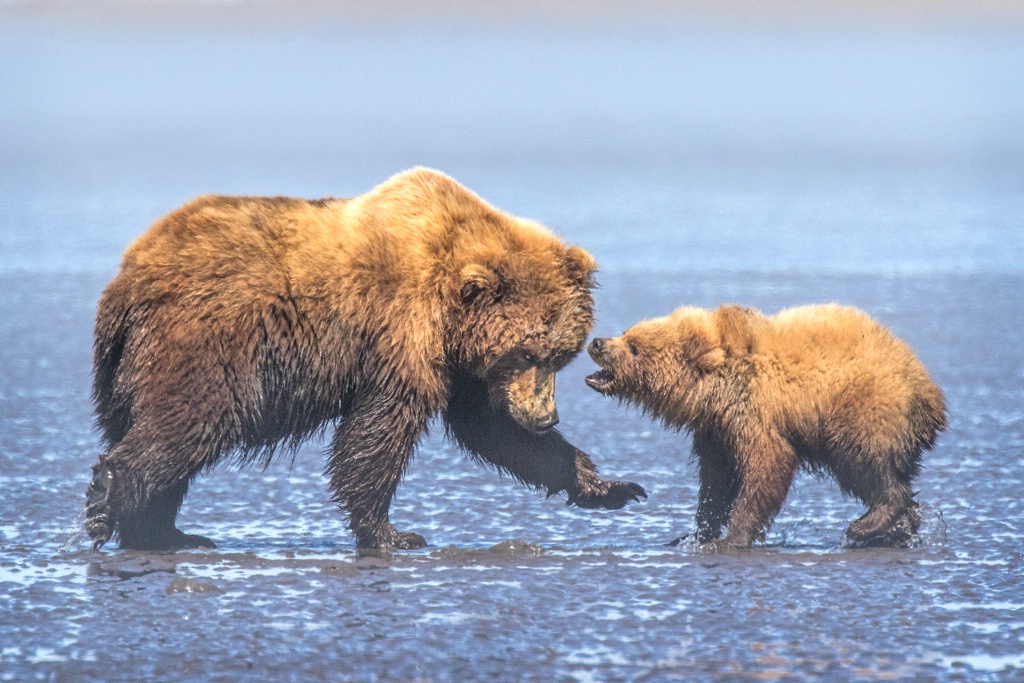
600	351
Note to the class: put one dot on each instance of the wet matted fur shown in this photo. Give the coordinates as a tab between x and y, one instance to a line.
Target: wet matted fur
238	325
825	387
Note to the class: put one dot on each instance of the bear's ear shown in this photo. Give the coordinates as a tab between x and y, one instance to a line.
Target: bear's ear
477	281
579	266
735	327
700	353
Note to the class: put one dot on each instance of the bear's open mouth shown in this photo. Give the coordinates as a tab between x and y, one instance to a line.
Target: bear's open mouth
600	380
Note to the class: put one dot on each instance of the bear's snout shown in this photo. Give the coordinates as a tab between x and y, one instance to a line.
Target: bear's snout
599	351
597	347
547	422
530	399
605	351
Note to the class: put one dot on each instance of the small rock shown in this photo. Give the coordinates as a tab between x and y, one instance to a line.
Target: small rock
182	585
372	562
346	569
130	569
517	547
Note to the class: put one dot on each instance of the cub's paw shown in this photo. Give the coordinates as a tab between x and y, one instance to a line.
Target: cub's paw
902	533
734	540
898	537
611	495
704	540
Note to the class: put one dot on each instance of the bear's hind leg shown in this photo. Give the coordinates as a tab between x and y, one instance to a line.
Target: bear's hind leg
893	517
99	518
153	528
135	493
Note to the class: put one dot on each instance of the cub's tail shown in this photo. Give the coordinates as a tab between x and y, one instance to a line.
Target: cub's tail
927	417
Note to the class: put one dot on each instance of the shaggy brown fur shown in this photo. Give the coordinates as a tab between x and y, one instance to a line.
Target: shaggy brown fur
825	387
238	324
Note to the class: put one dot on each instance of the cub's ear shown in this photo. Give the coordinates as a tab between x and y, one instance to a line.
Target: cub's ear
700	353
579	266
478	281
736	328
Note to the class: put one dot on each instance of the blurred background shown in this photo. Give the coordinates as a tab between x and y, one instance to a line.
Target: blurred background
730	135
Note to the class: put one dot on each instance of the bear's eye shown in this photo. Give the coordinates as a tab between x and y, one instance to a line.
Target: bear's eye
530	357
633	349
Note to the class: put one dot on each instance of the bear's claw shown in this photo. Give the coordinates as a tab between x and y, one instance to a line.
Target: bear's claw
98	523
391	539
615	495
186	541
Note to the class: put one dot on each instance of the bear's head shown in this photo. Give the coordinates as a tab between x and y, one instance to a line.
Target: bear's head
669	366
515	300
522	311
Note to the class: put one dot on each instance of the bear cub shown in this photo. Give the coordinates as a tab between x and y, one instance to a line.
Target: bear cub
823	387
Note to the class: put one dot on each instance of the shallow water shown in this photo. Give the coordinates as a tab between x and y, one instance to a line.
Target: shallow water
924	230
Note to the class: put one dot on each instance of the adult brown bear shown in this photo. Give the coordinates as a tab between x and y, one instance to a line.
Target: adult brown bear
240	324
825	387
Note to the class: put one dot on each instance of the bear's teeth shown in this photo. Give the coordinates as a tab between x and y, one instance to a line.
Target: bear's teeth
599	379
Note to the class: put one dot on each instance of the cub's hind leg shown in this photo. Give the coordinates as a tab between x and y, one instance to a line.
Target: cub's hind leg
883	482
892	518
874	452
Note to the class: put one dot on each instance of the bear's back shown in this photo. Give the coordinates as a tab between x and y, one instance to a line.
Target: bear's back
833	335
221	245
833	349
839	359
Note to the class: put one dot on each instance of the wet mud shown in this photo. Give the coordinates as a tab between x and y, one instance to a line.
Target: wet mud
514	585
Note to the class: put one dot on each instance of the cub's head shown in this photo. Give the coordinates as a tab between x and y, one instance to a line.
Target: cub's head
521	309
667	366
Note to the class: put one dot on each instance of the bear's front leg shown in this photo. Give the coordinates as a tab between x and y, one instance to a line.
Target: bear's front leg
545	461
719	486
766	469
590	492
371	450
